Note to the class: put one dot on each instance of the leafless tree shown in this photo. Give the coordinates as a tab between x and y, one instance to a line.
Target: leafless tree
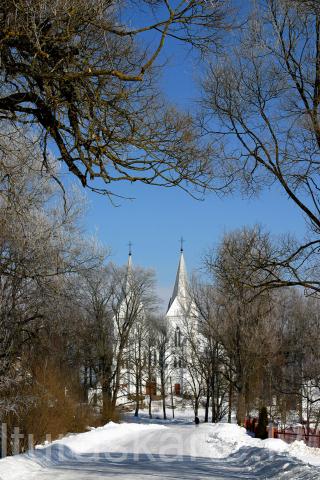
132	294
298	340
152	361
262	95
244	317
84	77
40	254
138	360
207	348
164	355
97	333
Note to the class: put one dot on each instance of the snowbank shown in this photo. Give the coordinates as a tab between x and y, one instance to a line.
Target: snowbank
109	438
226	439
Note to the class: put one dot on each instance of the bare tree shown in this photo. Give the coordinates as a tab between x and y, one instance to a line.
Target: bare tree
39	249
97	332
262	94
137	357
164	358
207	349
79	71
41	257
244	317
298	339
151	361
132	294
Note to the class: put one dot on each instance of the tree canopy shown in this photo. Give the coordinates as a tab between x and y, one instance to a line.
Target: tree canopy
85	79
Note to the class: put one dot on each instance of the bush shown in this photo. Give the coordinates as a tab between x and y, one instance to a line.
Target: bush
262	427
49	406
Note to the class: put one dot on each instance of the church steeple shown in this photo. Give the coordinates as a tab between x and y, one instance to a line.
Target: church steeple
180	287
129	265
129	269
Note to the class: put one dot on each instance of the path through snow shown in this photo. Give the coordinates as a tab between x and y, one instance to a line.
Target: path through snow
154	451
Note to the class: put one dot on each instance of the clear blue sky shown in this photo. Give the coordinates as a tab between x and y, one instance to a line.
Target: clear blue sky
157	218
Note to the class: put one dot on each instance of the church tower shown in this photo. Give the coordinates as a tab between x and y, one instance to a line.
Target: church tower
178	298
178	307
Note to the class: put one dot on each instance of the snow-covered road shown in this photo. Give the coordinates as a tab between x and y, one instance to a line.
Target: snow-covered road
154	451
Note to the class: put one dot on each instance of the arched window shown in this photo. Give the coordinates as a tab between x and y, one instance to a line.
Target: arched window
178	337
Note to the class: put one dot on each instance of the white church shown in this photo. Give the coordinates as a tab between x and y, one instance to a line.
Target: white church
178	308
178	312
175	315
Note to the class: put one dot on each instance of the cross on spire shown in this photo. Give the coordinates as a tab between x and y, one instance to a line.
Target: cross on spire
130	247
181	244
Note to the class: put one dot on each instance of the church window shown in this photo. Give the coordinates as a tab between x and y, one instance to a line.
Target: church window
177	337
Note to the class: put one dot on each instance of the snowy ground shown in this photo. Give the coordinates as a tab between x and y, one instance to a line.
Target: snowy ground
157	450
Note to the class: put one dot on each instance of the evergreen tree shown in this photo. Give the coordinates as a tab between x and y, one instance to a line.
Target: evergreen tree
262	431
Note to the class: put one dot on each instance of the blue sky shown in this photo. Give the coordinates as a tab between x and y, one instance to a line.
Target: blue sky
157	218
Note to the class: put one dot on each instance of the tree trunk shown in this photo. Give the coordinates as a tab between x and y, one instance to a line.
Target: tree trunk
206	411
136	413
172	406
107	405
150	383
85	385
150	405
230	402
163	396
196	406
241	407
213	404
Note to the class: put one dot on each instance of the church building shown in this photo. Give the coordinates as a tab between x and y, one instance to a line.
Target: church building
179	312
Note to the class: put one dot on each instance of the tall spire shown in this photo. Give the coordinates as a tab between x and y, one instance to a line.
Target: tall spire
129	264
129	269
180	287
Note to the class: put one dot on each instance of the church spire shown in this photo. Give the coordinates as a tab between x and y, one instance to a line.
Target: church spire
129	268
180	287
129	265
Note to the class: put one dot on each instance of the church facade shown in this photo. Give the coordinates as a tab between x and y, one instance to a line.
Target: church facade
176	317
178	310
176	349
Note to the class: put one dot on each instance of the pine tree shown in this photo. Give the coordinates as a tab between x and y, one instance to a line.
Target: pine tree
262	431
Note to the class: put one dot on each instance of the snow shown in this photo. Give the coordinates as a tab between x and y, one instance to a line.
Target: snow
112	437
154	449
227	438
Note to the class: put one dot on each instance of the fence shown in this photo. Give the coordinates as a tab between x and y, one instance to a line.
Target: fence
291	434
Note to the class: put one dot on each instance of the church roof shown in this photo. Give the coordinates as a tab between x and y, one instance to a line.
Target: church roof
179	293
